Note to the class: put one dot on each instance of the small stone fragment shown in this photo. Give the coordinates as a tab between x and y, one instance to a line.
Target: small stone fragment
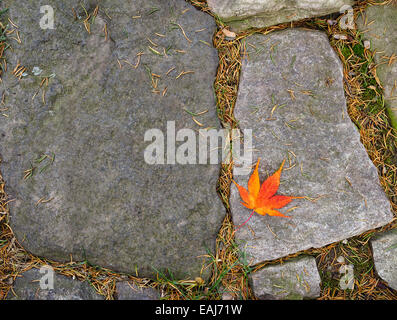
227	296
340	37
229	34
36	71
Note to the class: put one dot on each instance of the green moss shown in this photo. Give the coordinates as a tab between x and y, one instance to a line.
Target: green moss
345	51
358	50
393	117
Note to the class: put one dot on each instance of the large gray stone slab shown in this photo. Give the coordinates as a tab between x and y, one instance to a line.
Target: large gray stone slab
384	249
130	291
295	279
310	128
378	25
245	14
108	205
28	287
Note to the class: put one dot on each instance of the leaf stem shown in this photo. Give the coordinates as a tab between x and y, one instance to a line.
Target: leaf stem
252	213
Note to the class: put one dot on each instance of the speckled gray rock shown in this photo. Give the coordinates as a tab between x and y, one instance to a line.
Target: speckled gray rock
384	248
107	205
130	291
378	25
310	128
294	279
244	14
27	287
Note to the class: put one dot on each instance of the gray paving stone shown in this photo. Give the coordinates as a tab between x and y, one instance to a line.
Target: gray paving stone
384	248
295	279
310	128
107	204
244	14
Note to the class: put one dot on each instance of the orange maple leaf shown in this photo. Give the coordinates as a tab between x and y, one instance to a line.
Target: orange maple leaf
262	199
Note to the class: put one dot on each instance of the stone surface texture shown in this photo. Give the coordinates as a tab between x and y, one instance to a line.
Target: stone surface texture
384	248
27	287
378	25
295	279
309	127
130	291
94	196
245	14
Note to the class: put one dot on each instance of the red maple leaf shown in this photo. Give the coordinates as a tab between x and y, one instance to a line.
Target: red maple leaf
263	199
